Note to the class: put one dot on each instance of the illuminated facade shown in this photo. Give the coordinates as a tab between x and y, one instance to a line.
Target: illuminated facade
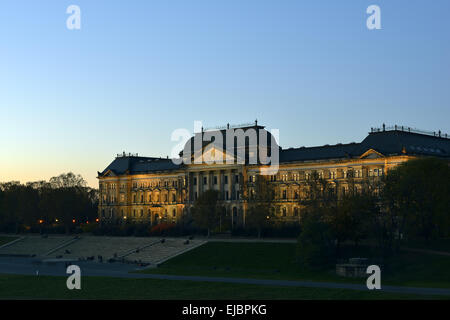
148	189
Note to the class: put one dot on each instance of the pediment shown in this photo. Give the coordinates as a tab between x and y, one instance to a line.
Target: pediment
371	154
109	173
212	154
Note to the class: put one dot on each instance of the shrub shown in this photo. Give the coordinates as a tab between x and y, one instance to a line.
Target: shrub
315	248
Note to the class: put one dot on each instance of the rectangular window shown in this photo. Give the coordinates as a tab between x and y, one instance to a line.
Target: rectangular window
226	179
195	181
215	179
205	180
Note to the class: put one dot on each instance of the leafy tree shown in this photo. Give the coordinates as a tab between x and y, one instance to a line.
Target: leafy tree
206	210
65	198
318	193
417	198
354	217
68	180
260	198
315	244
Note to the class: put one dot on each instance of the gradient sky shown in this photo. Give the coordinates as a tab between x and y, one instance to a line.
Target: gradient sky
137	70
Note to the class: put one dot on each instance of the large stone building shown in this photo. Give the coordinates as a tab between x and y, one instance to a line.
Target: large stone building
158	190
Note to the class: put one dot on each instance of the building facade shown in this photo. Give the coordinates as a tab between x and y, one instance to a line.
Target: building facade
155	190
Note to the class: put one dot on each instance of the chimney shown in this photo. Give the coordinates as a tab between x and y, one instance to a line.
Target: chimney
228	125
384	126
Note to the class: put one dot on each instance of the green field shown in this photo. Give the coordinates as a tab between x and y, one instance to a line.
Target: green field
45	287
277	261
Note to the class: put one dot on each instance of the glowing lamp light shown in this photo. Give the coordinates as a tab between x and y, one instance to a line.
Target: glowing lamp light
97	220
125	217
41	221
73	220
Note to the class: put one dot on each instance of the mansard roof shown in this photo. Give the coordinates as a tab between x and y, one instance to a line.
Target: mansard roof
208	137
377	143
135	165
392	142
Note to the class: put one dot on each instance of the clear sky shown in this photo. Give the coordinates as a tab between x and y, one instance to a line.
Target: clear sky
70	100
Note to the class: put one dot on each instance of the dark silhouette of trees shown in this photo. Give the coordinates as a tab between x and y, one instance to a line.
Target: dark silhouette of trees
329	220
416	196
260	199
44	204
206	210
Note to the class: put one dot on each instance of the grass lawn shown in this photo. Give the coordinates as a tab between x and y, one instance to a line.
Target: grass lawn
46	287
277	261
6	239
